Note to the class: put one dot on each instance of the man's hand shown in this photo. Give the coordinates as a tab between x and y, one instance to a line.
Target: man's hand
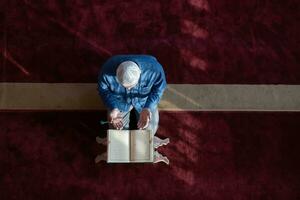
145	117
115	118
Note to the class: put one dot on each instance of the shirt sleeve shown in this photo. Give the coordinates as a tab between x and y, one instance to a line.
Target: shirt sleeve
156	91
109	99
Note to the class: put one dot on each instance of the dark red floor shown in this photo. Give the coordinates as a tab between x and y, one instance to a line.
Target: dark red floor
231	155
197	41
213	155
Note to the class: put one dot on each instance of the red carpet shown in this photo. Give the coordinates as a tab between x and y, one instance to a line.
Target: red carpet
213	155
197	41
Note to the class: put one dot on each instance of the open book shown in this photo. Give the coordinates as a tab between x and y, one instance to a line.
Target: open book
126	146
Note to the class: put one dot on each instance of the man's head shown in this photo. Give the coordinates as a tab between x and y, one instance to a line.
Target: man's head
128	74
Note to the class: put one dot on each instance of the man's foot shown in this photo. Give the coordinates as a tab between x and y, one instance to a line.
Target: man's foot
157	142
160	158
102	157
102	141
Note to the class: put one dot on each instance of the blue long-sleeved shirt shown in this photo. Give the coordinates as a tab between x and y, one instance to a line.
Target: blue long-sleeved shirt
145	94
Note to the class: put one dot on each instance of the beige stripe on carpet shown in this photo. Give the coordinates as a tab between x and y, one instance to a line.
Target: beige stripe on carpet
177	97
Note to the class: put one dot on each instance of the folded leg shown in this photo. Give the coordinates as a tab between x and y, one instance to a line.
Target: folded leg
101	157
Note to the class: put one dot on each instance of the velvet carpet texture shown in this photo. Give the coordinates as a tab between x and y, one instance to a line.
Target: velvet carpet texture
196	41
213	155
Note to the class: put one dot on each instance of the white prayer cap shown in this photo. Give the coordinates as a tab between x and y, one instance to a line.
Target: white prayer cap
128	73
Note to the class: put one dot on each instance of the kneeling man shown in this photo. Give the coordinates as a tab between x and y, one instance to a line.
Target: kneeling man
132	81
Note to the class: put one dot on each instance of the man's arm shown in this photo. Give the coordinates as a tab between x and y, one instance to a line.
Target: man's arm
157	90
108	97
111	101
152	100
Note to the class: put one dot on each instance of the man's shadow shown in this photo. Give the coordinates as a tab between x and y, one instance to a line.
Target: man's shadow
133	120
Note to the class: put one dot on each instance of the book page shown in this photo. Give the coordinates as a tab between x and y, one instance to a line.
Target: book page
118	146
141	146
